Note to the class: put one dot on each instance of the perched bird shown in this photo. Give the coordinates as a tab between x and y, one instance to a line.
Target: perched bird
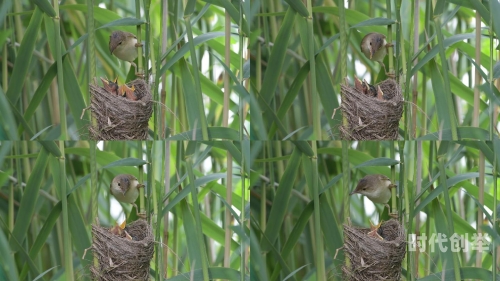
124	46
374	46
127	92
376	187
125	188
110	86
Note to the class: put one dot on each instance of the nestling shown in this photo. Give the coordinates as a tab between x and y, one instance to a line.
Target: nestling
374	230
125	188
124	46
380	94
110	86
119	230
127	92
359	86
374	46
369	89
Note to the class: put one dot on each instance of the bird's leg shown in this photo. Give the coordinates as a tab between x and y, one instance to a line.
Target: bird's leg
140	215
388	207
389	74
385	69
393	214
140	75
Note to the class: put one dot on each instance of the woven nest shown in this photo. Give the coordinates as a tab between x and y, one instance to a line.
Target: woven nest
119	118
121	258
370	118
372	258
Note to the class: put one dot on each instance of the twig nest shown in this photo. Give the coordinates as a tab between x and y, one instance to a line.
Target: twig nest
371	118
119	118
371	257
121	258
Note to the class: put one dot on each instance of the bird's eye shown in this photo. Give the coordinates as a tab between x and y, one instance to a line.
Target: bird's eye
370	43
119	184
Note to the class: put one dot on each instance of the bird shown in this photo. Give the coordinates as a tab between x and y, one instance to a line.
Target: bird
380	94
128	92
374	46
374	230
371	90
376	187
125	188
359	86
124	46
119	230
110	86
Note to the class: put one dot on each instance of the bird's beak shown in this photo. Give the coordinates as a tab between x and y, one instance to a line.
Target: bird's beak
372	52
392	185
139	185
104	81
353	192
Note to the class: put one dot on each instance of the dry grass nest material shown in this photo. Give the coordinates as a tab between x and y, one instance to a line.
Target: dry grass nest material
370	118
120	258
119	118
372	258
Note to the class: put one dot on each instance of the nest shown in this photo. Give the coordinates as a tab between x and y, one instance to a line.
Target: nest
119	118
120	258
372	258
370	118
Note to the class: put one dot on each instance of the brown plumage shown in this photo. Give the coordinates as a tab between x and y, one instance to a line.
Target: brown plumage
125	188
374	46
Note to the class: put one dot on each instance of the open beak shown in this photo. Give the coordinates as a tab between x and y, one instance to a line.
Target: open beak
104	82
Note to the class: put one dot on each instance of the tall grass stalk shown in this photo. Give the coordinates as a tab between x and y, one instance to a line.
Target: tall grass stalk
495	257
60	77
229	160
441	158
68	249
